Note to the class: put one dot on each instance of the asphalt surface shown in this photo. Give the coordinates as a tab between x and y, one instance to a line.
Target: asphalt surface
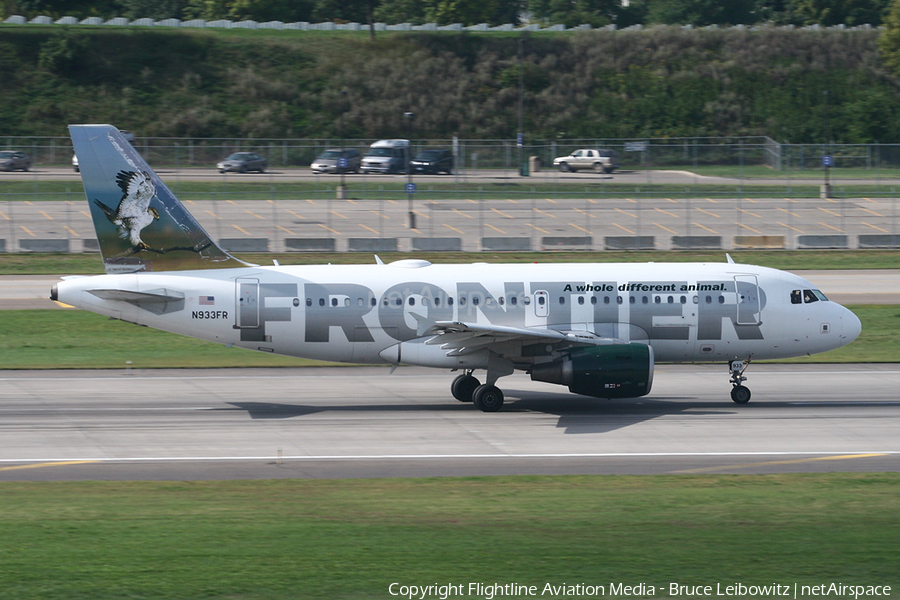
547	221
365	422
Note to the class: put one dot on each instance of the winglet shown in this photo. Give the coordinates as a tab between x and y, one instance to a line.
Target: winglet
730	260
140	224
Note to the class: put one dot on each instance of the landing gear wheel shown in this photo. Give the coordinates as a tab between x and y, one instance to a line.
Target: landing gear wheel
463	387
488	398
740	394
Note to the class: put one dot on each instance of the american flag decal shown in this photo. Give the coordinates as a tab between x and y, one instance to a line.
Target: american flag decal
207	300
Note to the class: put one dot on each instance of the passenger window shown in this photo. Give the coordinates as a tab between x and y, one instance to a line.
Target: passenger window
721	299
645	300
412	301
619	299
513	300
581	300
321	301
309	301
562	299
709	299
796	298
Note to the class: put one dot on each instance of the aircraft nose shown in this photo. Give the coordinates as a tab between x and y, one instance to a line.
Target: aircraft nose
851	326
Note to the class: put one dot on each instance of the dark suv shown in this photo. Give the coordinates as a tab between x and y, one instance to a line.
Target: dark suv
433	161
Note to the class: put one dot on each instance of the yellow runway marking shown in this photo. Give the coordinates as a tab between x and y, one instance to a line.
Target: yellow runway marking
625	212
551	200
459	212
750	213
750	228
296	215
672	201
580	228
789	227
421	214
72	231
539	229
43	212
231	202
631	200
706	212
497	229
711	200
783	462
750	200
830	212
870	200
666	229
546	214
28	231
329	229
85	213
367	227
623	228
375	212
244	231
860	208
213	214
502	214
472	201
874	227
830	227
452	228
334	212
3	214
49	464
285	229
788	212
584	212
665	212
253	214
705	227
310	200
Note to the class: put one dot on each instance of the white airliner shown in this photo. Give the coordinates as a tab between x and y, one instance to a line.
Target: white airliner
595	328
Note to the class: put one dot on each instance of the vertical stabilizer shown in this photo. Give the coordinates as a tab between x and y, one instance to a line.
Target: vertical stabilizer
140	224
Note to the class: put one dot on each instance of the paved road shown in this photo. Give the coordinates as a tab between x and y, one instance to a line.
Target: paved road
875	286
365	422
226	215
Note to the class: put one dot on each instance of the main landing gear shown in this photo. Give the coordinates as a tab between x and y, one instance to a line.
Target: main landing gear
739	393
467	388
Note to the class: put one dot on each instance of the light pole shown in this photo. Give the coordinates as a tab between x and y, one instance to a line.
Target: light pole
410	188
342	162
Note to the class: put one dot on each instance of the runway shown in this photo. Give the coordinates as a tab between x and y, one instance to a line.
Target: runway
365	422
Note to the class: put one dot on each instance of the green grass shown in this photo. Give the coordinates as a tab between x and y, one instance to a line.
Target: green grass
69	339
90	264
353	538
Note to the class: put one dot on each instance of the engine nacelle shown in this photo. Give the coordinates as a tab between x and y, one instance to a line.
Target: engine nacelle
615	371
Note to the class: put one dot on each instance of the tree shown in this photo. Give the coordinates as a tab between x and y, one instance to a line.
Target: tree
572	13
889	41
840	12
701	13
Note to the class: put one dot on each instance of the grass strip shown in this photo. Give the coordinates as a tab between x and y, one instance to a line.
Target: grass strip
74	339
352	538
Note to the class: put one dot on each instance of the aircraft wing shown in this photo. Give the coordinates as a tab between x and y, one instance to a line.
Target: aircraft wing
456	336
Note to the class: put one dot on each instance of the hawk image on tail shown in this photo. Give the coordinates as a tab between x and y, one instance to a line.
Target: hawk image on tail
134	212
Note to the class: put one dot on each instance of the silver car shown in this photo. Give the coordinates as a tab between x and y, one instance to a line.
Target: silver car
241	162
336	160
599	161
12	160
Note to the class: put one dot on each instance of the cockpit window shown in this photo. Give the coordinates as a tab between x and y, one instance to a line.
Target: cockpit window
810	296
796	297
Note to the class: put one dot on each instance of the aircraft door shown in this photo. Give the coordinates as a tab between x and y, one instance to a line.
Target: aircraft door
749	310
541	304
247	302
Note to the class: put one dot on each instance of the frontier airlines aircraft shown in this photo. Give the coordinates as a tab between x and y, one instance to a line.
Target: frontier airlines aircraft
596	328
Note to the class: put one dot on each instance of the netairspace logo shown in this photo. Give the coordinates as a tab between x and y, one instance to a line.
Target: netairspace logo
490	591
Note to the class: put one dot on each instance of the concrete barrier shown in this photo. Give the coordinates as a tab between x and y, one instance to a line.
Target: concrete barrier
759	241
822	241
566	243
90	245
2	245
310	244
373	245
630	242
879	240
450	244
697	242
245	244
44	245
506	244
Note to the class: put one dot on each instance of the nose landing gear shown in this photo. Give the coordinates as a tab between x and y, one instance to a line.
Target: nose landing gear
739	393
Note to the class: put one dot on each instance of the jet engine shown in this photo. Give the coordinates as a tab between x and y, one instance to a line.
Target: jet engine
614	371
